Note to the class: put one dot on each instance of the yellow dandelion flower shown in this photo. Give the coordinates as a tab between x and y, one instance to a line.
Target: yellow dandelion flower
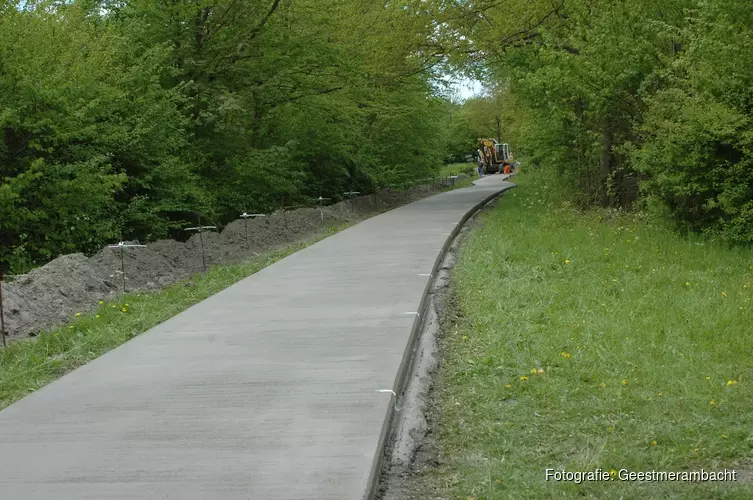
101	302
713	403
652	443
602	385
565	355
687	283
697	450
465	337
534	371
624	381
78	314
124	309
724	294
567	261
612	473
507	386
731	382
523	378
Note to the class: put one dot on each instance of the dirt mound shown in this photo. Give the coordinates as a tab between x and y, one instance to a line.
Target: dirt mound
146	269
177	254
54	293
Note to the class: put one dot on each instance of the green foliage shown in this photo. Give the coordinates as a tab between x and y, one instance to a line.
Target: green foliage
698	133
621	99
130	119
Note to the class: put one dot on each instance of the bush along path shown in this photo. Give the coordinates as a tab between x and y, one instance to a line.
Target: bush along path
586	341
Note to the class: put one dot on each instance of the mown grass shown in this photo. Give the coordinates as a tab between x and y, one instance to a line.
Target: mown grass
29	365
593	340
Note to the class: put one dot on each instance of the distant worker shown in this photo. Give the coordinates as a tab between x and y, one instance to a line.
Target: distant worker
480	163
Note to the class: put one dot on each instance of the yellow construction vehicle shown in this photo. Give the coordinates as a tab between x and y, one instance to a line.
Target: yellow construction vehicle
494	156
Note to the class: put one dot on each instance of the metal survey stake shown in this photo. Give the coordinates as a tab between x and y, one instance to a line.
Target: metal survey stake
319	201
200	229
245	217
284	211
121	246
351	194
284	208
376	195
2	314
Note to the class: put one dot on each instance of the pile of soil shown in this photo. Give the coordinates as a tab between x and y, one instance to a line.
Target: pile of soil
51	295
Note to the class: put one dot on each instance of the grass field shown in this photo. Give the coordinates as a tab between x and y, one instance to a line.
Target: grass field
587	341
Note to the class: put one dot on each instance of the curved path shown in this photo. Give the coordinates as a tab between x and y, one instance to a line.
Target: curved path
268	390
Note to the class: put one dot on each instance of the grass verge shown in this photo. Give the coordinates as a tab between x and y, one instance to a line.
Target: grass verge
27	366
592	340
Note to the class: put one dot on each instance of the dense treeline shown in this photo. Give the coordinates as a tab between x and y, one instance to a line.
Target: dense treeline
645	100
129	118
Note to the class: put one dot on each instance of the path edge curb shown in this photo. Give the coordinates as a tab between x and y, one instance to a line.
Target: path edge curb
372	485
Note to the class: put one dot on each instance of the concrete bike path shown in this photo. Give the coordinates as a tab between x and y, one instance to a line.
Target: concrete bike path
267	390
